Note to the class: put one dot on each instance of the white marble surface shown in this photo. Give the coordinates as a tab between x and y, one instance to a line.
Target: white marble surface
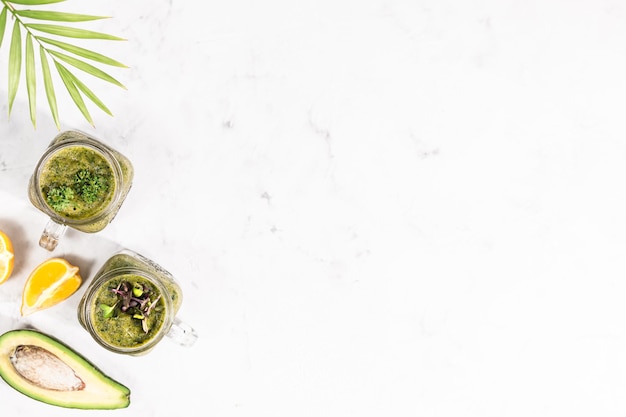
380	207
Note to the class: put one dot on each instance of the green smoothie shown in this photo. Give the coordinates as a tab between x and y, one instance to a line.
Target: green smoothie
128	311
80	182
77	182
130	303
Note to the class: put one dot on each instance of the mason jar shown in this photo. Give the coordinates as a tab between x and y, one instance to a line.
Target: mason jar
131	305
78	182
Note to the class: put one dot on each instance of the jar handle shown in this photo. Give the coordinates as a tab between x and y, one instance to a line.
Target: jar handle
51	235
182	333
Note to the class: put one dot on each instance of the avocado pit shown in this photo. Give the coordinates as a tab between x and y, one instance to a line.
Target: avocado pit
44	369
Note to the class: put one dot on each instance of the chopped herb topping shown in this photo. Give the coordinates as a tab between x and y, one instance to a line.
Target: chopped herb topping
87	187
90	186
60	197
135	300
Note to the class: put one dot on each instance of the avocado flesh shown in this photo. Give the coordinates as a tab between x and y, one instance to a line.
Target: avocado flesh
47	370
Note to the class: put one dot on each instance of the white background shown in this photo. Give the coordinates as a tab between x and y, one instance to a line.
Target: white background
380	207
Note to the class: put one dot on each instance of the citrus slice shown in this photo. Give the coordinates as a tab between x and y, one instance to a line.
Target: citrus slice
6	257
53	281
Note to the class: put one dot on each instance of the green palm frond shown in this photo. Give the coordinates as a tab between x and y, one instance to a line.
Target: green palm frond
57	16
3	23
15	63
51	49
30	78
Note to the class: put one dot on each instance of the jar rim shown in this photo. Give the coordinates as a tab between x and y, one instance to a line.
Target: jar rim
102	150
90	298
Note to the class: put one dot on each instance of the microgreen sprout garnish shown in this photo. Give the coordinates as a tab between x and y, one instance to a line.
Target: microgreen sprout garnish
137	290
152	304
136	300
108	310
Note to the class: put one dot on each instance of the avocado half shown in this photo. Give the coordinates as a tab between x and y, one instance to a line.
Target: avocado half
47	370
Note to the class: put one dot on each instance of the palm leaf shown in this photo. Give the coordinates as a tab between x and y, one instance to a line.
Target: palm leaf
85	53
22	54
3	23
74	93
70	32
57	16
49	87
15	63
89	94
30	78
35	2
88	68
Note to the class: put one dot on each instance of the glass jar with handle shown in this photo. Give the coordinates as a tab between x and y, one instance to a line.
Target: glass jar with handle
78	182
131	305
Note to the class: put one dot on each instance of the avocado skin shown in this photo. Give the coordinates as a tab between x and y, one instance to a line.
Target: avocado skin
100	391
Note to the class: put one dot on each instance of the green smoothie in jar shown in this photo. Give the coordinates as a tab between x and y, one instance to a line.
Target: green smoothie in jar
128	311
131	305
79	182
